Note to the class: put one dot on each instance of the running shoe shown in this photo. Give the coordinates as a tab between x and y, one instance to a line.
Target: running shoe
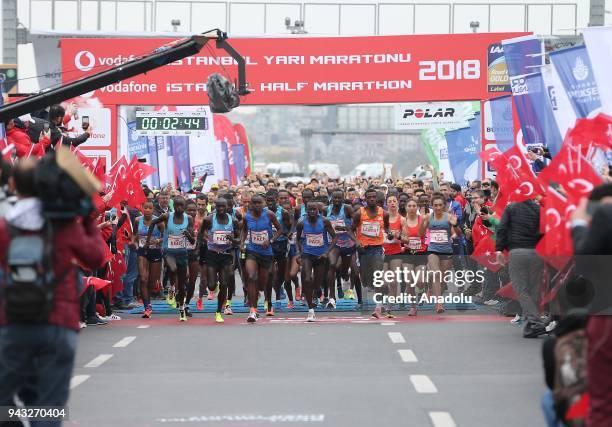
491	302
82	325
551	326
200	304
351	294
290	305
113	316
228	309
182	316
188	312
412	312
171	300
211	295
147	313
389	315
311	315
252	317
331	304
439	308
270	312
377	313
517	320
218	318
298	294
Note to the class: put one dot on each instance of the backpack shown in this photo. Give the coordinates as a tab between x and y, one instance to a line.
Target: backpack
28	278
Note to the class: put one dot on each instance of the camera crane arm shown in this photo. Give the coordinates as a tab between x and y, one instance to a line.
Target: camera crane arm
161	56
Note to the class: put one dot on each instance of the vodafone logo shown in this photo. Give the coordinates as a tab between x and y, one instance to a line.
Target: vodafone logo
84	60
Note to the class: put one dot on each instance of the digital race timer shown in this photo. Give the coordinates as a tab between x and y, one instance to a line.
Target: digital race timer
170	122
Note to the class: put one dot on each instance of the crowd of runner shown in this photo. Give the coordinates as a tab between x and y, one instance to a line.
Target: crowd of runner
307	242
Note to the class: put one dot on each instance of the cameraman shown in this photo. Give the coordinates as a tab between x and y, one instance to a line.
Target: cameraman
37	352
59	132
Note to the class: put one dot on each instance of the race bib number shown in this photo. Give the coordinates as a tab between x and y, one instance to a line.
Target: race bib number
190	246
438	236
314	240
221	237
338	223
176	242
259	237
370	229
414	243
142	241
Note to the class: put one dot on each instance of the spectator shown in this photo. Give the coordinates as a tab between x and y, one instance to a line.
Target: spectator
519	232
23	144
593	246
58	132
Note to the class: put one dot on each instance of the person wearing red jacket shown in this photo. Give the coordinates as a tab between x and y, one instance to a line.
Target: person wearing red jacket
23	145
39	357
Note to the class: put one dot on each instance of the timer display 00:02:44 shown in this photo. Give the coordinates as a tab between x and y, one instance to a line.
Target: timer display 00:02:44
171	123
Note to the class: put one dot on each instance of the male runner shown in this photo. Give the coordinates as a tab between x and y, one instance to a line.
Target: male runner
178	230
313	244
222	235
369	223
280	249
257	238
343	251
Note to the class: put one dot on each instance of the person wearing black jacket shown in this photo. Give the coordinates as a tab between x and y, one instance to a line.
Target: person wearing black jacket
56	118
519	232
592	237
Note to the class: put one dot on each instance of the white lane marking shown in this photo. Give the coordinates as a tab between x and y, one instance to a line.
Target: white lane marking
388	323
407	356
124	342
98	360
143	326
396	338
442	419
77	380
422	384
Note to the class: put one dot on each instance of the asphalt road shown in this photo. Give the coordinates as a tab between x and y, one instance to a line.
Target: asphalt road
457	369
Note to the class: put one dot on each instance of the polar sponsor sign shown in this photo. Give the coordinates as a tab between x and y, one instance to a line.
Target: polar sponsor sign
310	70
441	115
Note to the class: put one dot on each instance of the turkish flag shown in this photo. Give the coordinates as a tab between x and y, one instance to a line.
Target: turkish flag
556	247
116	182
484	254
140	170
85	161
507	291
224	133
99	170
590	133
515	177
572	171
97	283
115	271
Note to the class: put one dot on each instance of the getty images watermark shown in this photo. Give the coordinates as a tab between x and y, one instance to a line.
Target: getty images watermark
462	279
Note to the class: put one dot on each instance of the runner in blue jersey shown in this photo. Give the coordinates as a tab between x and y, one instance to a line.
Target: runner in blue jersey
221	235
280	250
149	260
257	237
237	218
178	231
441	225
313	244
293	266
341	254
